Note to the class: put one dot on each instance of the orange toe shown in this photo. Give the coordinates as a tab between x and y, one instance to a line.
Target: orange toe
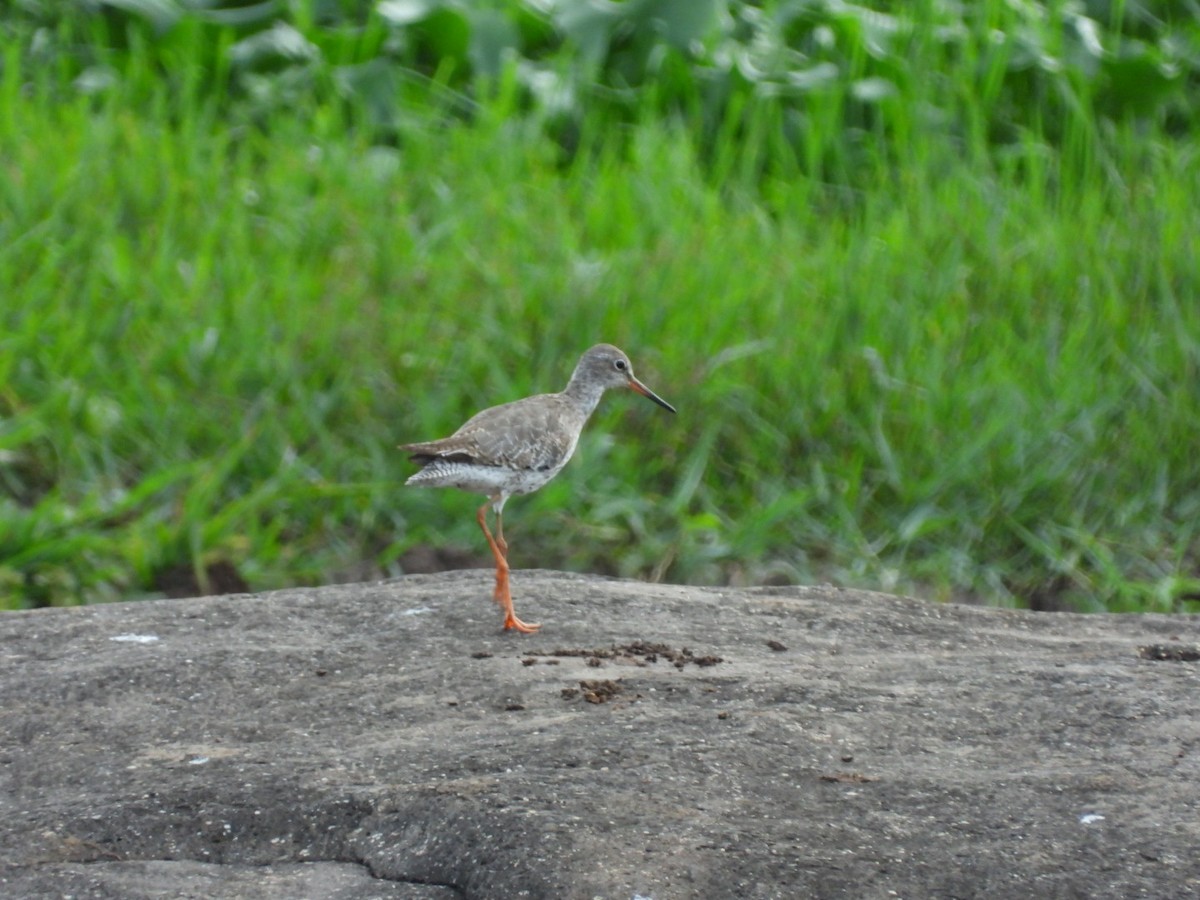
511	621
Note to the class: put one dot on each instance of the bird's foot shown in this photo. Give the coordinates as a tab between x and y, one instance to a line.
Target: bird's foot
503	596
511	621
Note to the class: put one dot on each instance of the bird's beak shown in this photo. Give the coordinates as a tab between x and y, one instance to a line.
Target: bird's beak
635	385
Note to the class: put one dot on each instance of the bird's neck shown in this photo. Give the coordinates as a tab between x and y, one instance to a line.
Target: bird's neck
585	393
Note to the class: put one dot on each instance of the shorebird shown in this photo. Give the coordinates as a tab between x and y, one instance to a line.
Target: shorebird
517	447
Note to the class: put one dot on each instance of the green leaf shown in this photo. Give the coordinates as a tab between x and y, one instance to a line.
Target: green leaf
1137	81
872	90
280	43
680	22
447	34
494	37
162	14
406	12
589	26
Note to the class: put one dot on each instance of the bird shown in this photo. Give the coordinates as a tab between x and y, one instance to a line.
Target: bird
517	447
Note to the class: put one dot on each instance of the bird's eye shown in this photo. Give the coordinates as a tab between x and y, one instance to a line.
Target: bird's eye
620	365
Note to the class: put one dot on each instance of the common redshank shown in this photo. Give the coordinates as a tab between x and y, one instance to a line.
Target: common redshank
517	447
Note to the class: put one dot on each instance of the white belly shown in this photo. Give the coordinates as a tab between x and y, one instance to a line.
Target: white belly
486	480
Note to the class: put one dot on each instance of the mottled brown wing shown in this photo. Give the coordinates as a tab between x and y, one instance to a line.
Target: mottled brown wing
535	433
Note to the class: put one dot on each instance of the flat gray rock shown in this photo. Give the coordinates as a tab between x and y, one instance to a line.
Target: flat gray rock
389	741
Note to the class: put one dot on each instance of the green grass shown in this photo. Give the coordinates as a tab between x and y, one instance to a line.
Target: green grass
961	372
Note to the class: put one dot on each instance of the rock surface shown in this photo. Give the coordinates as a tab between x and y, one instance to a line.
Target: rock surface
388	741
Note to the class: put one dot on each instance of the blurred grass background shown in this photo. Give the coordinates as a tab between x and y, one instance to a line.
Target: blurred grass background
921	279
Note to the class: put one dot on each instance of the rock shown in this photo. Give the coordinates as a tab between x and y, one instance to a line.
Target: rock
389	741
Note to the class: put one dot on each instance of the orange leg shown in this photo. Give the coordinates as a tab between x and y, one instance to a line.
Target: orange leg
503	595
500	535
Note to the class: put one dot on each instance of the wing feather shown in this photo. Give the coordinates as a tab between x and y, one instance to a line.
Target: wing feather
537	433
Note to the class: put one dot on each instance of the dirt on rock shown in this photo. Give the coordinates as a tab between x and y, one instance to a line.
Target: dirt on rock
388	740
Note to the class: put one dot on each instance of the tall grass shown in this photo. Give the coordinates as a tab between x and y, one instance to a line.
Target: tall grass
903	358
